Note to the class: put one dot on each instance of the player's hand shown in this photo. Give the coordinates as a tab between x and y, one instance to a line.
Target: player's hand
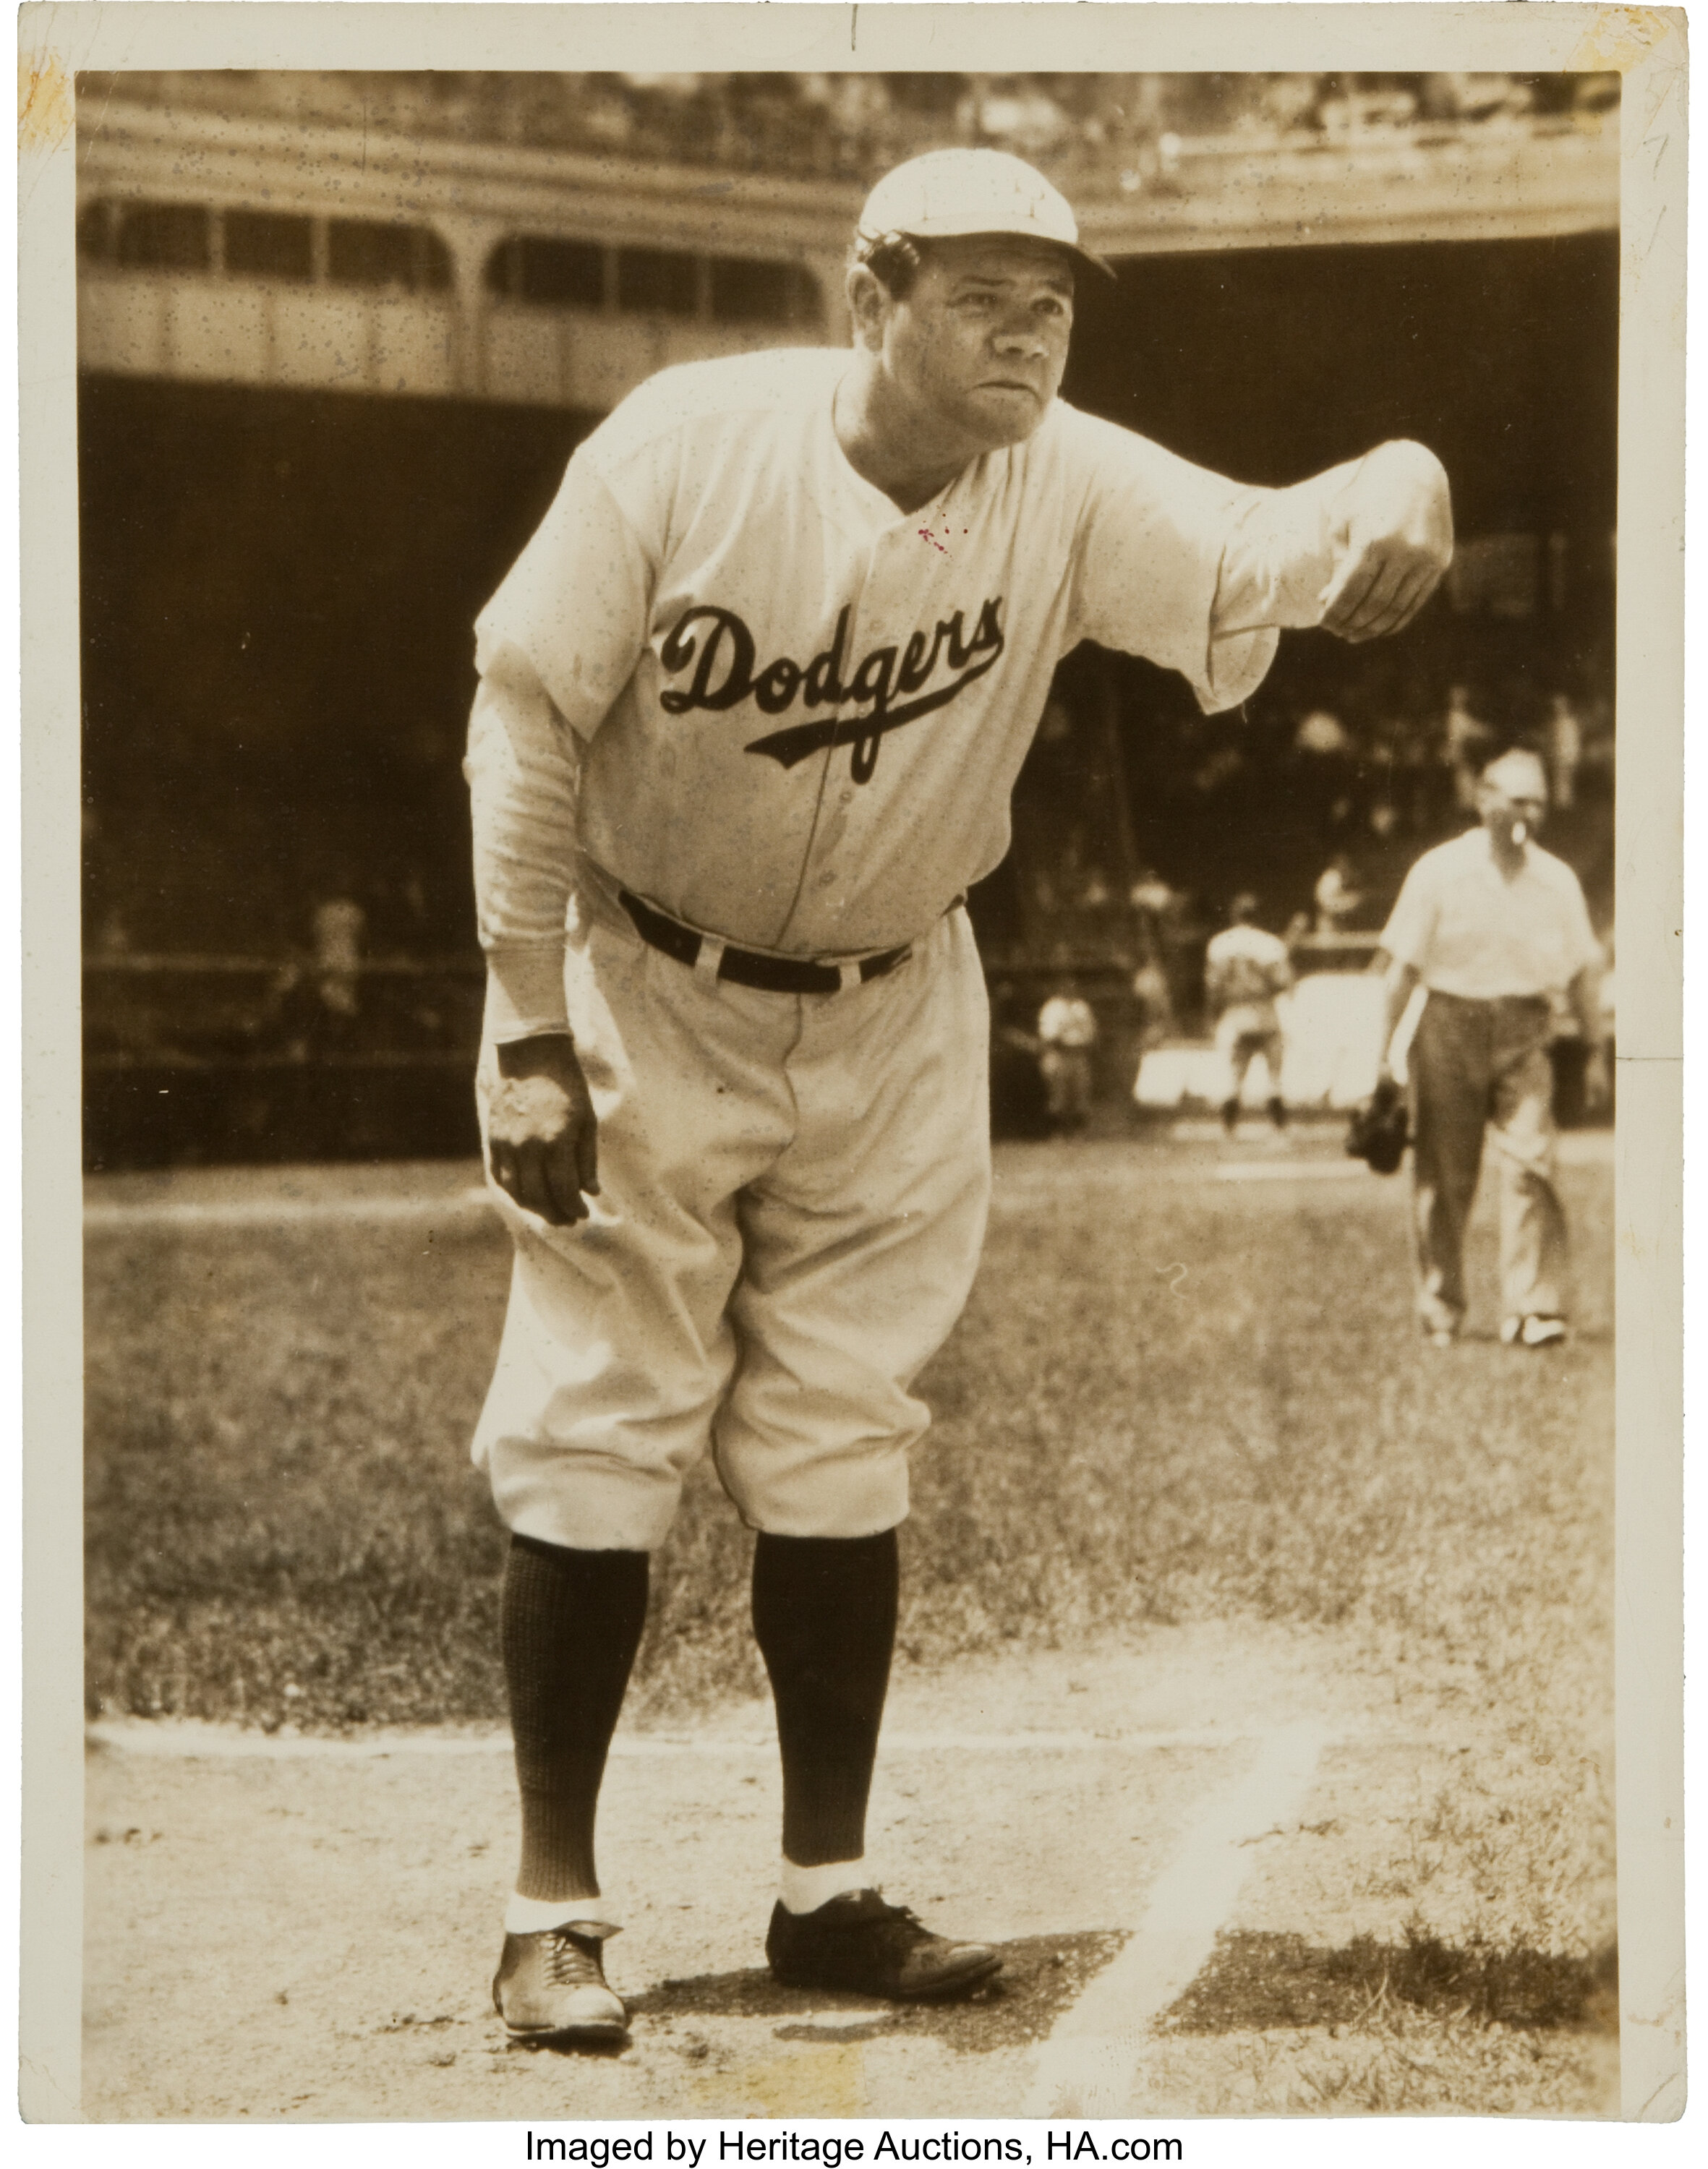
1393	541
542	1139
1596	1089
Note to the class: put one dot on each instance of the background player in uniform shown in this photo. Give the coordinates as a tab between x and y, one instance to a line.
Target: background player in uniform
1493	927
1245	968
752	703
1067	1032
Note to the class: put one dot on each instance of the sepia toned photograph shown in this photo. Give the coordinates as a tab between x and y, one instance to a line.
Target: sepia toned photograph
850	910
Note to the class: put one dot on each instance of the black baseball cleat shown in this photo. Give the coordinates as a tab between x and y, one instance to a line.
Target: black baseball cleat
860	1942
551	1986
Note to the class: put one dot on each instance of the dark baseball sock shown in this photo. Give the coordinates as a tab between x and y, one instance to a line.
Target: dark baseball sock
824	1614
570	1623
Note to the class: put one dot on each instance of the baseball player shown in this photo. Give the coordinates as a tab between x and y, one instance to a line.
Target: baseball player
1493	927
752	703
1244	969
1067	1032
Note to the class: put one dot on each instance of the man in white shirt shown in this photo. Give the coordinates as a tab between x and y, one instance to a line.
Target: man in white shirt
1493	927
1244	969
752	704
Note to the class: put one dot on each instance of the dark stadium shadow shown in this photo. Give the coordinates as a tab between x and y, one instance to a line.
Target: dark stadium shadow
1252	1983
1041	1976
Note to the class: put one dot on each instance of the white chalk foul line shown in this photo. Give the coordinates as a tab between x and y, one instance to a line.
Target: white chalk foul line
1089	2065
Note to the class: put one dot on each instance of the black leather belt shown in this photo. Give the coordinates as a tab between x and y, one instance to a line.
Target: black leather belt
746	967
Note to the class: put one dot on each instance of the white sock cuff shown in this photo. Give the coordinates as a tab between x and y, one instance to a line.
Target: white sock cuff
804	1889
531	1917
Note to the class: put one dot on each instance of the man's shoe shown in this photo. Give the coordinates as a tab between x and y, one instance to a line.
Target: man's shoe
1533	1332
1440	1336
858	1942
551	1986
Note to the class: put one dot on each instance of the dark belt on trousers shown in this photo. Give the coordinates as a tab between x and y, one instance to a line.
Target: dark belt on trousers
1536	1004
746	967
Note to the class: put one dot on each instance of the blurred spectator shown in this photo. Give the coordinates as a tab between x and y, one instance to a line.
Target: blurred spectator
1328	754
1322	732
1337	895
1152	899
1464	737
1153	1002
1110	132
339	923
1019	1098
315	1006
1419	775
1565	749
1067	1032
113	936
1596	760
1244	969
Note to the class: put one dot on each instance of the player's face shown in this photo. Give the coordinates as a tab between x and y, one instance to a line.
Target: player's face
977	348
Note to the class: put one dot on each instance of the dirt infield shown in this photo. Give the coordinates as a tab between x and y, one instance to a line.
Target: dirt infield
1252	1686
305	1929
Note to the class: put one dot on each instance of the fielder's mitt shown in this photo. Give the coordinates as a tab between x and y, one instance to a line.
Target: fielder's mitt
1378	1130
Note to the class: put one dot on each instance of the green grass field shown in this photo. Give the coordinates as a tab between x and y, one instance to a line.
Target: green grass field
1171	1399
1168	1397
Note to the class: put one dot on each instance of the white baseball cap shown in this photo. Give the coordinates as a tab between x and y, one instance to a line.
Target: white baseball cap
945	193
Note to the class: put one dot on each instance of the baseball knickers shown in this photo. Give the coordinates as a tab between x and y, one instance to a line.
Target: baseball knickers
793	1191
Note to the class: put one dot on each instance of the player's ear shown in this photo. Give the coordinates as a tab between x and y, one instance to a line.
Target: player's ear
869	305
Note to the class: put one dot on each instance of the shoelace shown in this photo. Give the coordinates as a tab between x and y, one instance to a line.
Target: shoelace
567	1965
899	1925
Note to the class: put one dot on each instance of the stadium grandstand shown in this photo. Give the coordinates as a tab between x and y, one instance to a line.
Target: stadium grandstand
339	332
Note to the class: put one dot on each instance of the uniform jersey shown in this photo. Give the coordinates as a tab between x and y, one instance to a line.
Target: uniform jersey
1067	1021
799	712
1245	968
1468	931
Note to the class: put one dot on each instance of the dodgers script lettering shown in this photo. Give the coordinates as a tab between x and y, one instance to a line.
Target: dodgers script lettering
720	649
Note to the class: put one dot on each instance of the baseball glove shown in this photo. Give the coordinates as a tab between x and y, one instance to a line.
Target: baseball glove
1378	1130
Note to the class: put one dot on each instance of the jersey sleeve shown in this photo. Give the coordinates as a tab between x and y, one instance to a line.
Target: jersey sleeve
1411	924
523	767
1148	560
1282	556
577	602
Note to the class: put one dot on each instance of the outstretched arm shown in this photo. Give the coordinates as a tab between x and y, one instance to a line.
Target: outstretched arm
1358	550
1393	529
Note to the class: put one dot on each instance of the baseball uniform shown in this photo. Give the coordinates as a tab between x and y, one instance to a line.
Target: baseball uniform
1492	953
1246	968
1067	1032
729	681
746	734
